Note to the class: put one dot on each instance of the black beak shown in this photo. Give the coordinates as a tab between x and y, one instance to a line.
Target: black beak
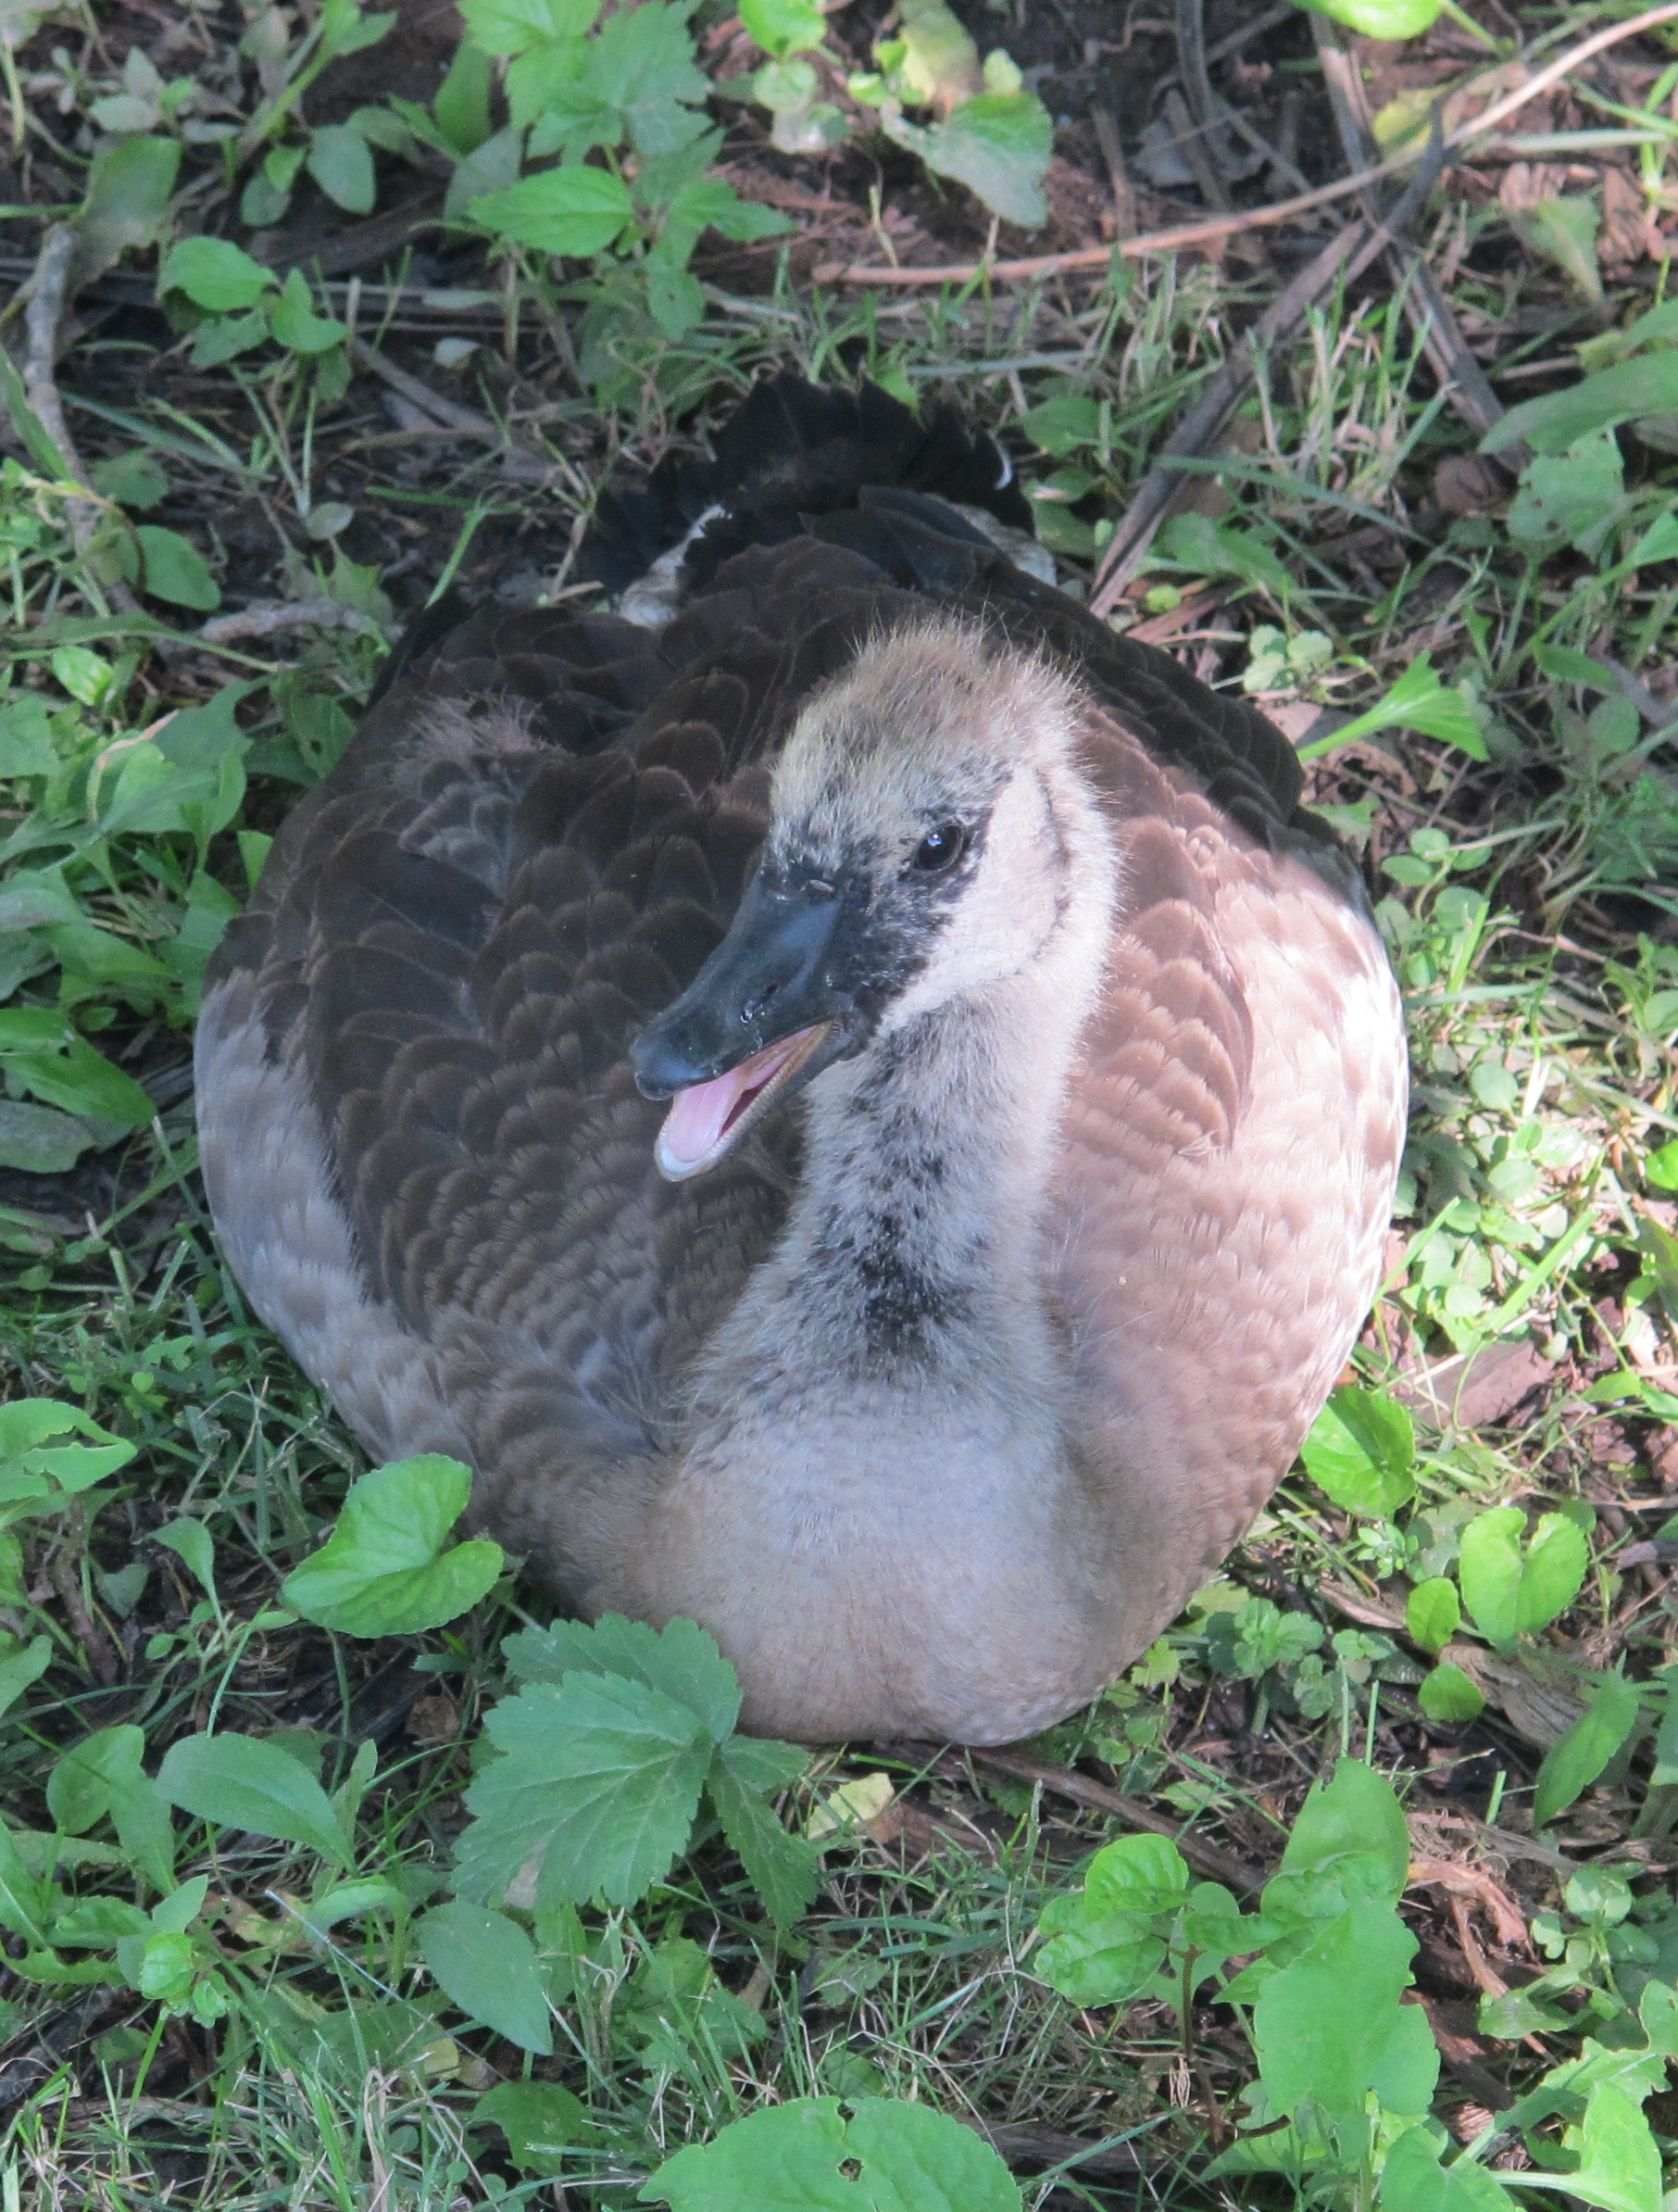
771	977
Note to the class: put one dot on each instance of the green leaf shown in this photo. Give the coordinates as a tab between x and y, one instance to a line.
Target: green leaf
129	188
540	2120
132	479
1064	424
214	274
571	211
641	62
488	1966
1211	550
296	324
784	27
1645	386
681	1660
1574	499
1351	1831
816	2154
1448	1695
239	1781
20	1666
1103	1947
1563	229
1413	2180
172	569
26	1901
1572	1765
342	163
1434	1613
1363	1451
40	1140
35	1459
1619	2165
191	1542
1510	1591
462	104
997	145
711	203
384	1571
1323	2023
783	1868
1383	19
1417	701
513	26
597	1789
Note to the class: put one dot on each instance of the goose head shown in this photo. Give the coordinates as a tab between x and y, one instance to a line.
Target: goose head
929	831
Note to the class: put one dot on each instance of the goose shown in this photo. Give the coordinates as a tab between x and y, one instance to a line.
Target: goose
858	1101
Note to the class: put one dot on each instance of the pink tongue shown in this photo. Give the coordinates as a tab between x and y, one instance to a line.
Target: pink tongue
697	1117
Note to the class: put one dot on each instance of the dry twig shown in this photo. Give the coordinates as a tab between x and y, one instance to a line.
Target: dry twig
265	618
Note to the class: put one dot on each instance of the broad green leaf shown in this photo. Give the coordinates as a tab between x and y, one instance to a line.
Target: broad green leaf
296	324
711	203
1574	499
933	61
170	568
784	27
1645	386
1413	2180
40	1140
1448	1695
1211	550
33	1444
133	479
1064	424
1352	1830
1511	1590
191	1541
26	1901
997	145
1362	1451
540	2120
1323	2023
129	188
574	210
462	104
488	1965
782	1869
1383	19
680	1659
1563	229
641	62
82	1081
1104	1948
1433	1613
808	2156
239	1781
1619	2165
1417	701
21	1665
1572	1765
596	1790
342	163
512	26
214	274
384	1571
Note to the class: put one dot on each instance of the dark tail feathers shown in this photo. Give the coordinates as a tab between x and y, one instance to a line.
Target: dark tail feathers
794	450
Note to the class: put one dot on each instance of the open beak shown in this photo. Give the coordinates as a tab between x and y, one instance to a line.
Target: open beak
758	1021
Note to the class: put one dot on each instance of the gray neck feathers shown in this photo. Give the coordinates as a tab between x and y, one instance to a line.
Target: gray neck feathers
912	1258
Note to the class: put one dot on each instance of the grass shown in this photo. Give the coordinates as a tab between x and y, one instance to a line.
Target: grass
1538	963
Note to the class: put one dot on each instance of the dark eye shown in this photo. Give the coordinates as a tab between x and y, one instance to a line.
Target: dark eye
939	849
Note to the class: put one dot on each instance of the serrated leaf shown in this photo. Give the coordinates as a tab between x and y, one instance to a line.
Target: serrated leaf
597	1788
384	1570
1572	1765
808	2156
998	145
342	163
782	1867
680	1660
214	273
239	1781
512	26
488	1966
174	570
1362	1451
575	210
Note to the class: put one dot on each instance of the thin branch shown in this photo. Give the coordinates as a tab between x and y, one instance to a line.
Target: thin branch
1253	219
267	617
